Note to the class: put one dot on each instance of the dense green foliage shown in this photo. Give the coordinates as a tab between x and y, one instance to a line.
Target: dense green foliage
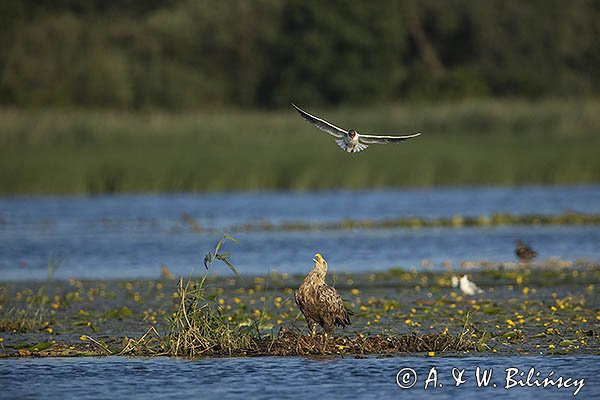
181	54
463	143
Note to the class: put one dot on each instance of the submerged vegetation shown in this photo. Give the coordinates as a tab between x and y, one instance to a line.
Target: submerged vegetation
458	221
509	142
529	310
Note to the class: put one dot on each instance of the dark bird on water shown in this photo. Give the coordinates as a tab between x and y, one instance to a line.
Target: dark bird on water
350	140
320	303
524	251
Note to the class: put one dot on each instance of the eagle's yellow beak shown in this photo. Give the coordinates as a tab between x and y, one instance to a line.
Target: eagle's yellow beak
318	258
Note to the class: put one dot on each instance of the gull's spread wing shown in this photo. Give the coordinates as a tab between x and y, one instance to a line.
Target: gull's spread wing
371	139
320	123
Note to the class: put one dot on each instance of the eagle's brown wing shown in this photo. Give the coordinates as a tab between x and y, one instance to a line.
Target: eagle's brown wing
332	306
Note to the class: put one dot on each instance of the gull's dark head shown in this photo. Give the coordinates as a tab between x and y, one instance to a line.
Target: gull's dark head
352	133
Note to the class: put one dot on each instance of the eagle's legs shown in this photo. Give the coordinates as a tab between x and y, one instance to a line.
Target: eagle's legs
312	327
329	328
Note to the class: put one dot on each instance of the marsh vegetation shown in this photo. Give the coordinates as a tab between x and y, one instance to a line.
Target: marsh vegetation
508	142
531	310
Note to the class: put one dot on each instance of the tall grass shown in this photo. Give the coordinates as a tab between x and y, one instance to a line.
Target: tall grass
33	313
198	326
507	142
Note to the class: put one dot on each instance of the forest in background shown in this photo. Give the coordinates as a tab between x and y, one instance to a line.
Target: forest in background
194	54
103	96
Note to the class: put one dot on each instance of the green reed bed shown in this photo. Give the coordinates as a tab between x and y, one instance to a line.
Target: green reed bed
459	221
506	142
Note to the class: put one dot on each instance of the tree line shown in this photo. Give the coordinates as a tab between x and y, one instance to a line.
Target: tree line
182	54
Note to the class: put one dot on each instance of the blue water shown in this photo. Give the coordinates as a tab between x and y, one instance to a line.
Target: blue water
130	236
285	378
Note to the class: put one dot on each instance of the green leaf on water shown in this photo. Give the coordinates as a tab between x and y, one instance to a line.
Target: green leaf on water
567	342
41	346
34	347
492	310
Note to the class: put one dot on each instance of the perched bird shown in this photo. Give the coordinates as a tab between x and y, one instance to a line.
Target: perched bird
524	252
165	272
469	288
350	141
320	303
454	281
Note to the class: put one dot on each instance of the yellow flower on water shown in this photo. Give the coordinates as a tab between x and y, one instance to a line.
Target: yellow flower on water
510	322
49	329
431	354
83	337
445	331
407	321
355	292
221	301
551	346
237	300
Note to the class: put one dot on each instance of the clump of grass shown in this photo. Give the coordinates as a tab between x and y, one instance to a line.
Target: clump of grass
34	314
199	327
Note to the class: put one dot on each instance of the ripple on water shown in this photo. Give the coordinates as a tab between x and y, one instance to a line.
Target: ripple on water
282	378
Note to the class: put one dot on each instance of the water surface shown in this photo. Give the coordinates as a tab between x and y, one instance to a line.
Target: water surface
284	378
130	236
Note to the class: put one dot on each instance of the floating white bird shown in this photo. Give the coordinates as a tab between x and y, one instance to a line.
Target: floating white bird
469	288
350	140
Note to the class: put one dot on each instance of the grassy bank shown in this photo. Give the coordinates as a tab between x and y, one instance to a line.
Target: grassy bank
471	142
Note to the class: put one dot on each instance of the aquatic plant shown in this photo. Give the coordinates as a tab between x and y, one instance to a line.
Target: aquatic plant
198	326
33	315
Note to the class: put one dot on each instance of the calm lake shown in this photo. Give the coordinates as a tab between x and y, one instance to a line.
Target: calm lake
291	378
130	236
